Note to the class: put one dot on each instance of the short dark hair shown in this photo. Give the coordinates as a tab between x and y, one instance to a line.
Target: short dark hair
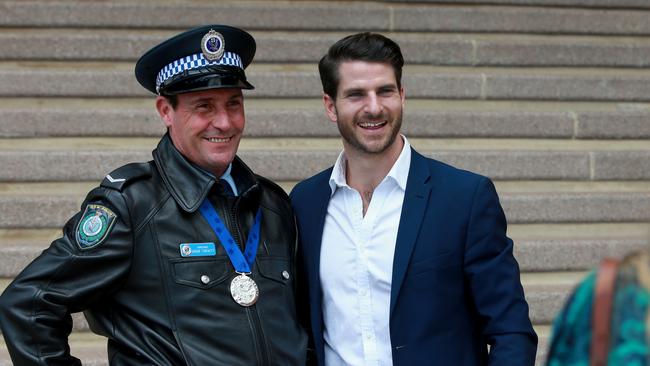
366	46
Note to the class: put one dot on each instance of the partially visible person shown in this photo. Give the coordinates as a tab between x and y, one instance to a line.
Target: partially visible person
406	259
187	259
627	340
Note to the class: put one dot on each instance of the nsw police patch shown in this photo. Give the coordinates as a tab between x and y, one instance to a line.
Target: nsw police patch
94	226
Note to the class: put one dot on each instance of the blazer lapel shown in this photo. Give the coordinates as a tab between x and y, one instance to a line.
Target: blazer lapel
416	198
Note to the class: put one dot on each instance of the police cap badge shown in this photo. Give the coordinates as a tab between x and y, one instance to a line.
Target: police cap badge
212	45
208	57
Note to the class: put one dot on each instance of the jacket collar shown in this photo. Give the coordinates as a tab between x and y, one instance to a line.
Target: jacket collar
187	183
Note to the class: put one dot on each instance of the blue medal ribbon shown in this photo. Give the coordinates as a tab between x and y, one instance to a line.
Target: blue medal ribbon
243	263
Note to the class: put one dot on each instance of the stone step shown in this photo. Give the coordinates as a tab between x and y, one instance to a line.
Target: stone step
574	247
321	15
106	79
546	293
57	159
556	250
48	211
576	254
49	205
593	207
136	117
303	46
544	335
618	4
91	349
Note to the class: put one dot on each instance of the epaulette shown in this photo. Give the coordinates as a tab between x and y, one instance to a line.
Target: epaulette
124	175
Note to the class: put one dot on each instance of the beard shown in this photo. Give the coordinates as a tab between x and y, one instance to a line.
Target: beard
376	146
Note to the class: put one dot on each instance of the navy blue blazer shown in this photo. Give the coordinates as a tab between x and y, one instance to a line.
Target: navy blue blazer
455	285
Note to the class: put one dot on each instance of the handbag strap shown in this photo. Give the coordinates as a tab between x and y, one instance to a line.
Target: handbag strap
602	311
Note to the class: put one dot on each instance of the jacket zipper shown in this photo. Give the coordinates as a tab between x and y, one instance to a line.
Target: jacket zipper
251	311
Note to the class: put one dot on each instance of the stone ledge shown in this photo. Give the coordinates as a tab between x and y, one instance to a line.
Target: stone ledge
309	47
545	20
283	15
39	211
618	4
567	254
39	80
288	118
312	122
572	254
288	165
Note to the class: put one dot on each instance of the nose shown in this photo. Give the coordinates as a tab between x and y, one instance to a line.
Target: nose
220	120
373	105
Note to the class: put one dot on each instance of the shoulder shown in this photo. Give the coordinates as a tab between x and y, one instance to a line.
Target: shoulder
126	175
136	187
312	184
449	175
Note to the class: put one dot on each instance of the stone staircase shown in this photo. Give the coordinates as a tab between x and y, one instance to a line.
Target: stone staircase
550	98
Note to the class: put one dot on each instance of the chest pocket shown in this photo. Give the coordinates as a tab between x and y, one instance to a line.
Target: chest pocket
201	273
275	268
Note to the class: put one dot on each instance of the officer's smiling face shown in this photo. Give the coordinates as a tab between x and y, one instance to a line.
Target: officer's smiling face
206	126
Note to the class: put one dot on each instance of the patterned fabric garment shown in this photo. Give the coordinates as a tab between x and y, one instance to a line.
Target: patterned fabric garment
571	338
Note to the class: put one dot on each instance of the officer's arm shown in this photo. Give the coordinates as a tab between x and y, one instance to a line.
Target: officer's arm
87	263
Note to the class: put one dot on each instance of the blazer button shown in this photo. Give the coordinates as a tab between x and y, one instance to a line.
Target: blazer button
205	279
285	274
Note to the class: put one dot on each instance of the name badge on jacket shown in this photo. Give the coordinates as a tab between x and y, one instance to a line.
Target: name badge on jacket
198	249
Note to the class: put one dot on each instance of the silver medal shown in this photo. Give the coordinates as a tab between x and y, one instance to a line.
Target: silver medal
244	290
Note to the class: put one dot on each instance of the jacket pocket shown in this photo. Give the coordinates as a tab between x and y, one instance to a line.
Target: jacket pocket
275	268
201	273
429	264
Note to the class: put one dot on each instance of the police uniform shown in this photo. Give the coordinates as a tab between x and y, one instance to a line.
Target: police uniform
144	263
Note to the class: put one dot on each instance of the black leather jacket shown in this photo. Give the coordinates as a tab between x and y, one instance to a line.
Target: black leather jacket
155	306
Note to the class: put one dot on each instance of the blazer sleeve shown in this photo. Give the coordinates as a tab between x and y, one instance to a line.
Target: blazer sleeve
302	291
492	274
67	277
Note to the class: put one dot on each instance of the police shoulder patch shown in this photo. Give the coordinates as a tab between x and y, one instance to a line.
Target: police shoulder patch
95	225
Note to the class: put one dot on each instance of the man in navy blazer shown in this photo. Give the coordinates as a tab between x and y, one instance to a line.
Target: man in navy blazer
405	259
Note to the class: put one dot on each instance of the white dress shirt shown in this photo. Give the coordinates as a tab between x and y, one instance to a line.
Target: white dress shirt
356	266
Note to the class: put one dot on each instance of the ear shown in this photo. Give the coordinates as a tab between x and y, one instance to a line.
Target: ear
330	107
165	110
402	95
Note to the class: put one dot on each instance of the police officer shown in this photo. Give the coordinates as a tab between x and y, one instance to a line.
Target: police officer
187	259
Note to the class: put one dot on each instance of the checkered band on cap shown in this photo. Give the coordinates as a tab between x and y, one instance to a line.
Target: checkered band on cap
195	61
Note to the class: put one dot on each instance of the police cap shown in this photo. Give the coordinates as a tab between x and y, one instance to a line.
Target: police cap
206	57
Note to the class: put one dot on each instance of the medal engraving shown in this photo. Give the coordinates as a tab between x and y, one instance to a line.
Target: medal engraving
244	290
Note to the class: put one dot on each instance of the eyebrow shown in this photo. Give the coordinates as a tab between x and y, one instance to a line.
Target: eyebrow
209	100
362	90
200	100
388	87
353	90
